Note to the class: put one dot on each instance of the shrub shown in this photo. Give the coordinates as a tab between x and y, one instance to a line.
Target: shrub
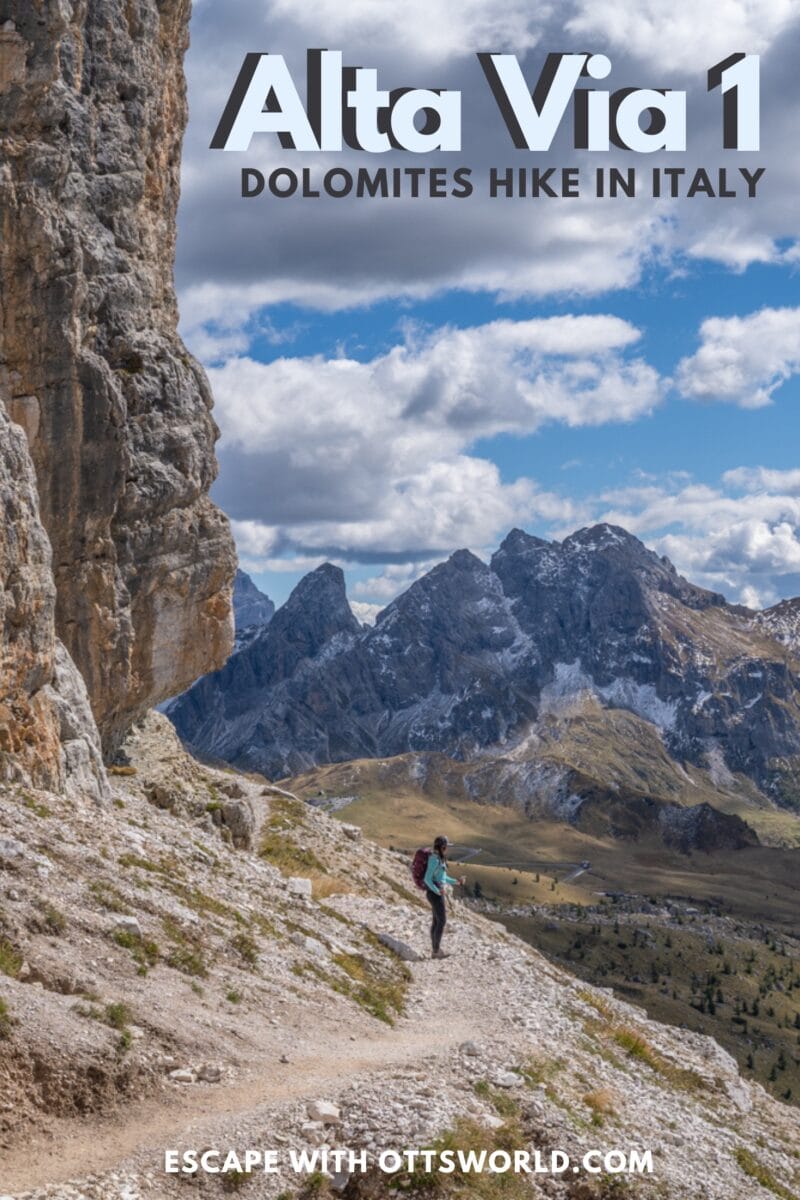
10	959
143	951
117	1015
246	947
6	1021
55	922
186	952
637	1047
601	1102
381	992
287	856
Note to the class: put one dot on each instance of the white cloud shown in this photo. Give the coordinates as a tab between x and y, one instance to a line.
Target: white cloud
764	479
742	360
365	613
370	459
236	256
745	545
683	35
392	580
428	29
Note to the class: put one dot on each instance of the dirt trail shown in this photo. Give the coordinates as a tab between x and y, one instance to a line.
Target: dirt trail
80	1148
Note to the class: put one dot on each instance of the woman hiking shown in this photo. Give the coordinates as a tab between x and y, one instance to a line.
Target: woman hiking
435	878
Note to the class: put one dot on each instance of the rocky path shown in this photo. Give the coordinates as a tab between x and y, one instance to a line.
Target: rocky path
259	975
445	1011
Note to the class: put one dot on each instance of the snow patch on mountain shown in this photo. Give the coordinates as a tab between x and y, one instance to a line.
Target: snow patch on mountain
571	685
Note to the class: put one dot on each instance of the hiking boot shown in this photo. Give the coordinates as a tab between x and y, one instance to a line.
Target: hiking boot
441	954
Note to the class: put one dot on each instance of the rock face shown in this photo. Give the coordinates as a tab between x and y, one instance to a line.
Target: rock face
474	658
782	622
29	722
116	413
252	610
48	736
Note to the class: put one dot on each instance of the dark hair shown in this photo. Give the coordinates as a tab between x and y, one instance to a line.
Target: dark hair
440	846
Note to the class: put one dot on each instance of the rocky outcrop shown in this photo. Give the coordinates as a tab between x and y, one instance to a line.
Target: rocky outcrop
116	413
476	658
782	622
252	610
83	772
48	736
226	708
29	723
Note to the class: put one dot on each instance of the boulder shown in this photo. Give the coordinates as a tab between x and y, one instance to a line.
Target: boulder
401	949
232	789
508	1079
165	795
324	1111
313	1132
297	886
311	945
209	1073
239	818
183	1075
129	925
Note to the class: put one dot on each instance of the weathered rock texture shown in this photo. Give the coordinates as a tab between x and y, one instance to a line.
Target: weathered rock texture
252	610
29	723
48	736
476	658
116	412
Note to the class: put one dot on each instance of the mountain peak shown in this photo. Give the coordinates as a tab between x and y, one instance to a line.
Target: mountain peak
316	610
604	536
465	560
518	542
251	608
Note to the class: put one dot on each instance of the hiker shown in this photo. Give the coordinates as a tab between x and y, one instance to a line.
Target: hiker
435	878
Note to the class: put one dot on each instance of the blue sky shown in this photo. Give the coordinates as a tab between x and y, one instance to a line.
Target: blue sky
592	380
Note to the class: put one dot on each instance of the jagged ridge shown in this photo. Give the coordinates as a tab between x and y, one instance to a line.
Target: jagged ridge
472	657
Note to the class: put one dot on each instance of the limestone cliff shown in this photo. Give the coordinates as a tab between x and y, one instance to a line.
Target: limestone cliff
117	414
29	741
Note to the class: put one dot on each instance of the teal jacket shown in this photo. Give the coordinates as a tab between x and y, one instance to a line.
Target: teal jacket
436	874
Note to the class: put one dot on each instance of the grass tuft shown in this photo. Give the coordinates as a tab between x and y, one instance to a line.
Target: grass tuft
109	897
186	952
10	959
762	1175
6	1021
381	991
287	855
144	951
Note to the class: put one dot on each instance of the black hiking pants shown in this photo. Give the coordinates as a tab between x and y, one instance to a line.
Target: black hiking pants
439	918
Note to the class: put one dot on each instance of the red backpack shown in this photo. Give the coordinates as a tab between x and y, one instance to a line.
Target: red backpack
420	865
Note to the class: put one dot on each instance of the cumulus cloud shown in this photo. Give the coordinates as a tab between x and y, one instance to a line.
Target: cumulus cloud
740	537
742	360
236	256
683	35
370	459
427	28
395	578
764	479
744	545
365	613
